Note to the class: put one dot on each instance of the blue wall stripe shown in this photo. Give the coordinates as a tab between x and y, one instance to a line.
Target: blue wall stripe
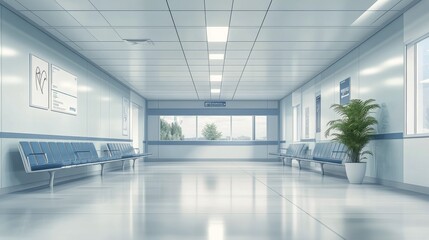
384	136
283	141
214	143
204	111
58	137
308	140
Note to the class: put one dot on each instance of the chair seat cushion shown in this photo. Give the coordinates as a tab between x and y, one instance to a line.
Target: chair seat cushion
46	166
330	160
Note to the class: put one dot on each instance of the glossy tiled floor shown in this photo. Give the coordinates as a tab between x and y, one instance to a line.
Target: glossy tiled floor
214	201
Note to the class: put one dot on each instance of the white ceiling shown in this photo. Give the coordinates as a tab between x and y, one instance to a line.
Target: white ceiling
273	46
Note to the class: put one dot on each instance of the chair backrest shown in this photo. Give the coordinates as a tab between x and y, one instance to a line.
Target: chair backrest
28	159
46	149
67	158
58	158
38	150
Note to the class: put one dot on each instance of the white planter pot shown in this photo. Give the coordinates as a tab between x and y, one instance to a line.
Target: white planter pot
355	172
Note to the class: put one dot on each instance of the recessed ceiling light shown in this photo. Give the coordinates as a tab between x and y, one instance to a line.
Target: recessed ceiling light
215	78
217	34
365	18
215	56
215	90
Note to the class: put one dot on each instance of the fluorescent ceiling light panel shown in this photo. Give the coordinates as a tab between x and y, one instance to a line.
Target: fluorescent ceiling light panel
215	56
215	78
365	17
217	34
215	90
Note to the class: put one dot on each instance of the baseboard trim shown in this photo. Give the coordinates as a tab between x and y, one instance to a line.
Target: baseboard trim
399	185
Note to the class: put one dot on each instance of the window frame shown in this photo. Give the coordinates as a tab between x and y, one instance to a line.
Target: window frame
411	88
253	135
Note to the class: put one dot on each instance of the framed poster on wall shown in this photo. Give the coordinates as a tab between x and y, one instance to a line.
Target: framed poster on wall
39	83
64	91
345	91
318	113
125	116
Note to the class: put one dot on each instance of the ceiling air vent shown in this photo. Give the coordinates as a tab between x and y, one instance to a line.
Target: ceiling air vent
146	41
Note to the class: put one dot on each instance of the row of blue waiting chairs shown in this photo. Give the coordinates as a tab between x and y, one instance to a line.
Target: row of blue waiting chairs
53	156
332	153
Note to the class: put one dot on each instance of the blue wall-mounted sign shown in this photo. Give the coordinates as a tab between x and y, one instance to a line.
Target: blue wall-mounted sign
345	91
214	104
318	113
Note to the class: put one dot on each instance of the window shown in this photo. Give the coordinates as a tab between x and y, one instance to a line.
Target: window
296	124
214	127
242	128
418	87
260	128
209	128
178	128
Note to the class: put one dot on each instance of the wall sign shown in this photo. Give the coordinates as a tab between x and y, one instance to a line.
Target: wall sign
125	116
214	104
307	123
345	91
39	83
318	113
64	91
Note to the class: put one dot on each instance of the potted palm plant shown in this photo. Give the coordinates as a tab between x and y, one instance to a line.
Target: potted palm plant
354	130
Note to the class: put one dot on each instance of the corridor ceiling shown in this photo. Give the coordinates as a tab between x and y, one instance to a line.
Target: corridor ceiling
271	47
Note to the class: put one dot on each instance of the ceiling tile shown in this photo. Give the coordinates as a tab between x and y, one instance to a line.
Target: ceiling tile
311	18
57	34
192	34
247	18
36	19
218	18
217	46
76	4
89	18
57	18
311	45
239	46
218	4
261	5
313	34
186	5
194	45
104	34
196	54
325	5
130	5
189	18
77	34
40	4
155	34
243	34
138	18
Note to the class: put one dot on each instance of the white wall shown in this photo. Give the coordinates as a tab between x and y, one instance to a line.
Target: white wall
206	150
99	115
376	70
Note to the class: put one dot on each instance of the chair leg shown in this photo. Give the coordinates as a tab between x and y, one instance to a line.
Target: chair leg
299	164
322	169
134	163
123	165
51	179
102	169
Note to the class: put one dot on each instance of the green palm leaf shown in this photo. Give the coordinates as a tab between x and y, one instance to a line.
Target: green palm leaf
354	127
